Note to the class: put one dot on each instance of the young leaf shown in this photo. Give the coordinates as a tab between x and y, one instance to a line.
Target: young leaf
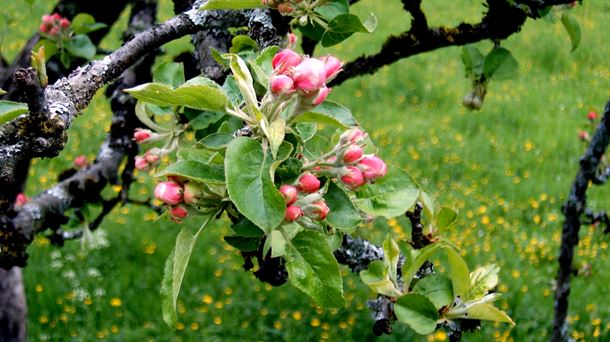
195	171
275	134
377	278
343	215
417	312
244	81
333	9
487	312
156	93
473	60
437	288
430	204
250	186
390	196
417	258
483	279
445	217
573	29
84	23
174	270
458	272
40	65
216	141
391	255
306	130
500	64
344	25
230	4
201	93
241	43
143	114
313	269
329	113
278	244
9	110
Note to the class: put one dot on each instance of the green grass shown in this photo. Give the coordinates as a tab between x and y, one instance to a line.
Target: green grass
506	168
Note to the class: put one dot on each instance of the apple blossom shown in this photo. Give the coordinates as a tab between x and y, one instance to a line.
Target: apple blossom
169	192
292	213
372	167
289	193
309	183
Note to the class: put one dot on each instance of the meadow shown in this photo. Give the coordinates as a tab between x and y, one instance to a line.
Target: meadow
506	168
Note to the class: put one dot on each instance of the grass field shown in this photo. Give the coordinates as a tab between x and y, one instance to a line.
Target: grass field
507	168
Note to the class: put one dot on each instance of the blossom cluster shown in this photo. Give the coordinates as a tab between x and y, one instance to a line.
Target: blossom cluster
54	25
293	73
176	194
151	157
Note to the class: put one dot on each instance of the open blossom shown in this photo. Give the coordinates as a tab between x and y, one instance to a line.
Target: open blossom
372	167
292	213
169	192
309	183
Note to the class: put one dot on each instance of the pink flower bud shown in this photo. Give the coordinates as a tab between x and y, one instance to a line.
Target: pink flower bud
353	135
141	163
141	135
332	66
281	85
21	199
80	161
309	75
284	60
308	183
64	23
285	8
292	39
289	193
584	136
353	177
178	213
322	94
169	192
317	210
372	167
192	192
56	16
54	31
47	19
152	156
292	213
592	116
352	154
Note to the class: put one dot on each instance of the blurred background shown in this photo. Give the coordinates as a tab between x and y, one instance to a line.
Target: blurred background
507	168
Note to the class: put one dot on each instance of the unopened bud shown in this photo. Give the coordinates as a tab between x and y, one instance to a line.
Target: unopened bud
289	193
284	60
292	213
178	213
322	94
21	199
352	154
169	192
309	75
281	85
317	210
192	192
592	116
308	183
352	136
141	135
80	161
332	66
353	177
372	167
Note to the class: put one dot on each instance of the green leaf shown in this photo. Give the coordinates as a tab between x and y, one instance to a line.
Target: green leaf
306	130
391	255
500	64
156	93
2	92
195	154
430	204
241	43
230	4
244	244
377	278
195	171
458	272
278	243
169	73
247	229
205	119
389	196
344	25
201	93
9	110
216	141
487	312
250	185
437	288
333	9
143	114
84	23
313	269
473	61
445	217
263	61
343	215
483	279
573	28
417	312
81	46
39	64
244	81
329	113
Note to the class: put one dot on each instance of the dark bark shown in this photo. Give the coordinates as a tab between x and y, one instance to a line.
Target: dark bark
501	20
13	309
573	209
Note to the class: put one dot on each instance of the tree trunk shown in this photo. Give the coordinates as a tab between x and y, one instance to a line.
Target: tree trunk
13	310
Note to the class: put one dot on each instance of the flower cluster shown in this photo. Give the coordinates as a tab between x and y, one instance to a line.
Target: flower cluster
293	73
151	157
55	25
176	194
301	9
304	200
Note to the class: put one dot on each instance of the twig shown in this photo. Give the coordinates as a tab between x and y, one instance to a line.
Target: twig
573	209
